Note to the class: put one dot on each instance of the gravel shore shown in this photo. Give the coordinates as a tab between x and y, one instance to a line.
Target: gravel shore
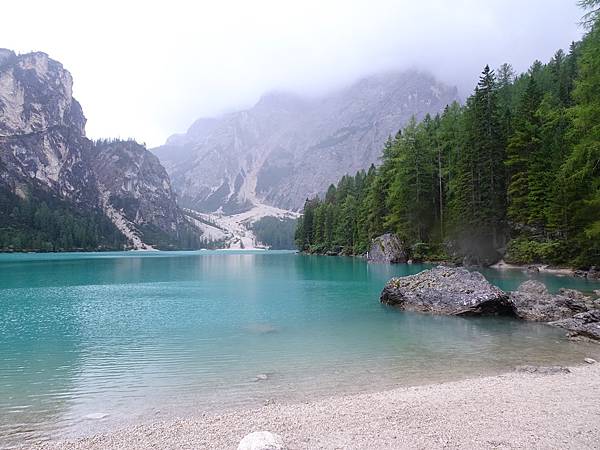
514	410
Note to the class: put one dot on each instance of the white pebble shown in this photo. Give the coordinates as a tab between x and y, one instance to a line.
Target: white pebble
261	440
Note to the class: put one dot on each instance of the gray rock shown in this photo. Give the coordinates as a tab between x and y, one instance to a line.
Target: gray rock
532	301
543	370
590	360
446	290
585	325
387	248
261	440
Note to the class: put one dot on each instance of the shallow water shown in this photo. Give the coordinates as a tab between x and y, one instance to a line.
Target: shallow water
93	341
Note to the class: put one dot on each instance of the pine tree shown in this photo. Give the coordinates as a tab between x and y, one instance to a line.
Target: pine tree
522	146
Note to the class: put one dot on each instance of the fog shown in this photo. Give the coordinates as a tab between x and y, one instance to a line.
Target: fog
147	69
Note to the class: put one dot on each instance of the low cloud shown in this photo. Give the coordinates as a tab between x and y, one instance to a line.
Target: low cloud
148	69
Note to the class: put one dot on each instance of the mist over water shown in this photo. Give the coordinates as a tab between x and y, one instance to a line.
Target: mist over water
93	341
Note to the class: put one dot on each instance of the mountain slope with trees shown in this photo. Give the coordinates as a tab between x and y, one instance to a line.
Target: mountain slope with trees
514	172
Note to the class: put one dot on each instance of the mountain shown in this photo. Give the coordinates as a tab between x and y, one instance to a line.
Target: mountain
58	189
287	147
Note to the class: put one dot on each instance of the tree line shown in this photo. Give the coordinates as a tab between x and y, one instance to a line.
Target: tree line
515	171
43	223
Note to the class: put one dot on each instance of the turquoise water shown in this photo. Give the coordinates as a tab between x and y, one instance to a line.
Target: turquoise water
93	341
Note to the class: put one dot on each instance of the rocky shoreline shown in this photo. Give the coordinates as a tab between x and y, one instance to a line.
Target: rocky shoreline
389	249
460	292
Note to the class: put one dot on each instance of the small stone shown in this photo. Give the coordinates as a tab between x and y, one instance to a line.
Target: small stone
590	360
261	440
95	416
261	377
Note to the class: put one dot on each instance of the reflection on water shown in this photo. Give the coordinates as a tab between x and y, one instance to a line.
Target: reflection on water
89	341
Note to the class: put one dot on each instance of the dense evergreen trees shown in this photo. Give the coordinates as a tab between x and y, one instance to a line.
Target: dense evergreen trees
44	223
275	232
515	170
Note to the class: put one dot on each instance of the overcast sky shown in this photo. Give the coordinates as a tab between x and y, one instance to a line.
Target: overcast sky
147	69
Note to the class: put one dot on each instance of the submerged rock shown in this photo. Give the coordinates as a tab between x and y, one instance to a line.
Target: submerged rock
261	440
387	248
96	416
532	301
446	290
590	360
261	328
585	325
261	377
543	370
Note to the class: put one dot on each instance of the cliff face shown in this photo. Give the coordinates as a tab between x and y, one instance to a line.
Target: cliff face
135	190
287	148
44	152
42	138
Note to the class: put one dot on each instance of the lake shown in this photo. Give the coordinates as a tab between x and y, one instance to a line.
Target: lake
90	341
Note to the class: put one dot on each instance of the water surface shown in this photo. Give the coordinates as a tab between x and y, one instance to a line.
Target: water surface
93	341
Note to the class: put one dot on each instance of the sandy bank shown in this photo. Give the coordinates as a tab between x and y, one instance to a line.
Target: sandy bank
514	410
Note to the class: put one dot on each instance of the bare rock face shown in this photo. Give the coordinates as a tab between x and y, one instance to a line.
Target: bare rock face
36	95
445	290
261	440
532	301
42	138
387	248
132	183
585	325
287	147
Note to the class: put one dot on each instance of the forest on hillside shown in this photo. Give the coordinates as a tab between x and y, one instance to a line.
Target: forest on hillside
514	172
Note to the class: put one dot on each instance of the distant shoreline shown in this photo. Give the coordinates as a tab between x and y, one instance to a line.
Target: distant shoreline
513	410
542	268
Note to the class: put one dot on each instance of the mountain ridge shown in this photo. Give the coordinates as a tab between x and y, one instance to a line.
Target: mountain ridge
288	147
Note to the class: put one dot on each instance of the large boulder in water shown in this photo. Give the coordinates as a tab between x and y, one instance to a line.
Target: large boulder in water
387	248
532	301
446	290
261	440
585	325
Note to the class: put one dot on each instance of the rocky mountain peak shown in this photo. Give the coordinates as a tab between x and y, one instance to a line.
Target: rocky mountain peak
36	93
288	147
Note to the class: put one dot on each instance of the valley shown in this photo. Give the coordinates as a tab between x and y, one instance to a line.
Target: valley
234	231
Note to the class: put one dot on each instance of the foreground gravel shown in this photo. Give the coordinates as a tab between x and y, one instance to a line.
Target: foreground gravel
515	410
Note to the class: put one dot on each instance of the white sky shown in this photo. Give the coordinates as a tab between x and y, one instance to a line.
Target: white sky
147	69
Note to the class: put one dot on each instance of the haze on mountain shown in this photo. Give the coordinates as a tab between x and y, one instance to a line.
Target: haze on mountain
149	69
288	148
